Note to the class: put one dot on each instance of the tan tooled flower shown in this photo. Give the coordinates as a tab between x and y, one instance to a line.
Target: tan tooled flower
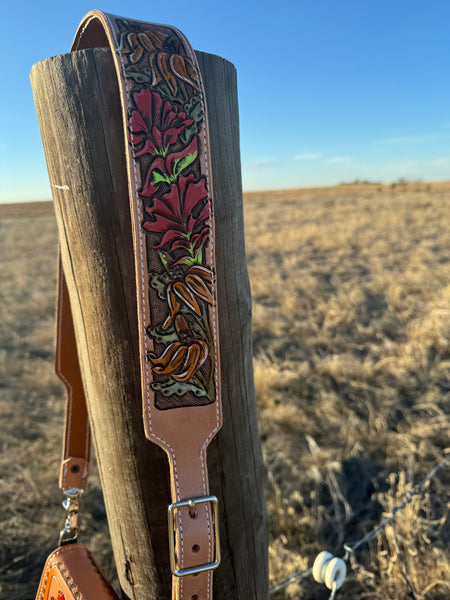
135	44
172	68
182	358
193	286
165	66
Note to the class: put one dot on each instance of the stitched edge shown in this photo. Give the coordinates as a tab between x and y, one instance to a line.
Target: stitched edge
193	58
216	349
214	309
65	574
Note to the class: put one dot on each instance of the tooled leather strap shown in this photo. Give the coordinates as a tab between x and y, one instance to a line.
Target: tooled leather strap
170	193
76	446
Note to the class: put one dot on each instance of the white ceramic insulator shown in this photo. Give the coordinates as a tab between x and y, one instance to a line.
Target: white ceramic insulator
335	572
320	565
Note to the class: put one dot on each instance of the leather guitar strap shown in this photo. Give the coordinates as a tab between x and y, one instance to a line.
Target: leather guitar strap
170	194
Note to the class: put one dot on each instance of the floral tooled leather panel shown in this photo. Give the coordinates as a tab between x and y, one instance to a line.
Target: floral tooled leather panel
164	129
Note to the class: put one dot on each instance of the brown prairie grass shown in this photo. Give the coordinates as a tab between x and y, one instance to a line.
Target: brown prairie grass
351	326
351	317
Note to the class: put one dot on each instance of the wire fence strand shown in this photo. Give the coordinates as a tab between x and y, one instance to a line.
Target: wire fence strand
351	547
294	578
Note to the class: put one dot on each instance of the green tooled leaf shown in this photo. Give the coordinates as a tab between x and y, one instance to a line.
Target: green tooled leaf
193	111
197	330
189	260
159	282
159	177
183	162
176	388
138	76
163	89
163	336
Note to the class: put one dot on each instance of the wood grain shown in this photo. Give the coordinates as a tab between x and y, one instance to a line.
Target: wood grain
81	126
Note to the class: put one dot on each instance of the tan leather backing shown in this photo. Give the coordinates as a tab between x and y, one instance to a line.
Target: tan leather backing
71	573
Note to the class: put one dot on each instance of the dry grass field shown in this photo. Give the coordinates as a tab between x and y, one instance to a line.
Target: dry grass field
351	320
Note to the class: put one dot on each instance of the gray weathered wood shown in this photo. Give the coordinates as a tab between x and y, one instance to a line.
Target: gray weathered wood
82	133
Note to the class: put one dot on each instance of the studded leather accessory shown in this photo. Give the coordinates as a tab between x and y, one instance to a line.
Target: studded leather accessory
170	195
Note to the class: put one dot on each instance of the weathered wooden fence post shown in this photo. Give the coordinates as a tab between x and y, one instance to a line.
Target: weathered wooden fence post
82	132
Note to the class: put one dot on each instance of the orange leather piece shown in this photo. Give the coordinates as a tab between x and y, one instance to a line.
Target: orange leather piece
71	573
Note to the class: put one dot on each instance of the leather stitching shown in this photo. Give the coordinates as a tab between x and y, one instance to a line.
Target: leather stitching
54	562
211	250
214	315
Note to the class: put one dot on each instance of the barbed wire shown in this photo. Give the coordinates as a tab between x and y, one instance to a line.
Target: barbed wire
351	547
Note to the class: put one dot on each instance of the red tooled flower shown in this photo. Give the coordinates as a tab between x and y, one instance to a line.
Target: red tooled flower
167	169
155	123
180	216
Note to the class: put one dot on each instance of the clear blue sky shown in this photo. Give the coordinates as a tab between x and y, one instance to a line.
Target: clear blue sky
329	90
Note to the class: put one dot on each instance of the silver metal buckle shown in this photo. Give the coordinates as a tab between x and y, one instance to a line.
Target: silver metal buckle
192	503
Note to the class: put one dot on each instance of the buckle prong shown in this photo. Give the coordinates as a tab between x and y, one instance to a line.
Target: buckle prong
192	504
193	512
